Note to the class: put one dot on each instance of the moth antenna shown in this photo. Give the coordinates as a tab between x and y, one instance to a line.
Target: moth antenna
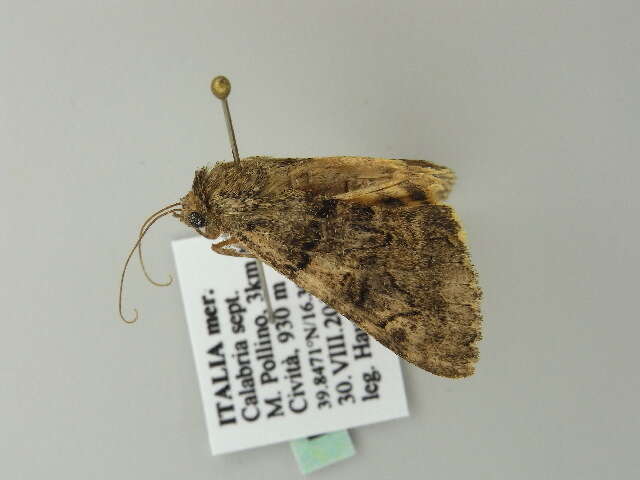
149	223
144	268
221	88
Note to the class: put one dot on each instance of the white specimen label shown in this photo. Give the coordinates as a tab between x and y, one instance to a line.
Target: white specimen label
311	371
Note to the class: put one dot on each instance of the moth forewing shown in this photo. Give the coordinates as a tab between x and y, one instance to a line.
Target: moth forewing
365	235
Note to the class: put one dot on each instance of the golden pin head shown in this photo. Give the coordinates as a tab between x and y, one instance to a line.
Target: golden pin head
221	87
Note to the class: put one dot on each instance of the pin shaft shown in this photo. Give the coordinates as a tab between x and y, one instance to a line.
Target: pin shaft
232	134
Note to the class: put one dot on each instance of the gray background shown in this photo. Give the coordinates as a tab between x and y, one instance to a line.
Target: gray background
105	114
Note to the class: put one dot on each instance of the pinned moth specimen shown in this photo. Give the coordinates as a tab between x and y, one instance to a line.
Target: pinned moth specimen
370	237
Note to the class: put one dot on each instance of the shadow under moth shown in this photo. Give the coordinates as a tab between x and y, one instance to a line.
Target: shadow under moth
370	237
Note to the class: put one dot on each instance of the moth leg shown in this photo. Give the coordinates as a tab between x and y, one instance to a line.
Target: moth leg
220	248
224	243
231	253
210	236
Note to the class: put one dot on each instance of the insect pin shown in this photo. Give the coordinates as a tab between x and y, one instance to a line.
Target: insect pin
370	237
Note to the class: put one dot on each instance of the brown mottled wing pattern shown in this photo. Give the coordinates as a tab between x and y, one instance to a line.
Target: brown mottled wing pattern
379	249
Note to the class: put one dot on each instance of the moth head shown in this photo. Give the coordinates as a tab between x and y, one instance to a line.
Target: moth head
195	214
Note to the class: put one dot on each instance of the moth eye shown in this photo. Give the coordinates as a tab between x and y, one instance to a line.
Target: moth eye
197	220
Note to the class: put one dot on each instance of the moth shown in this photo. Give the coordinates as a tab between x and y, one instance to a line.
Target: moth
370	237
